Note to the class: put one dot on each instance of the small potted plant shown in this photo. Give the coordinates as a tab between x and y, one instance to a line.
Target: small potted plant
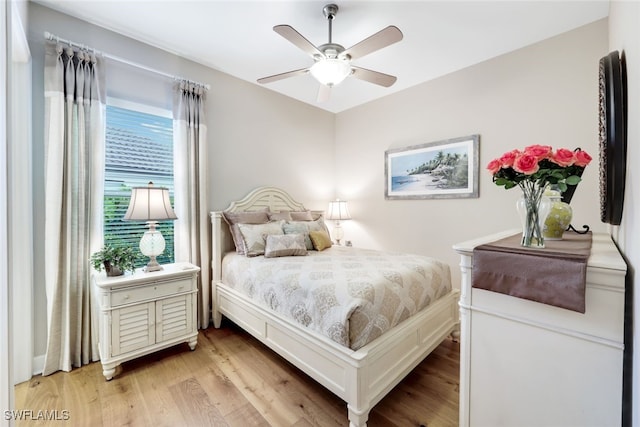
114	259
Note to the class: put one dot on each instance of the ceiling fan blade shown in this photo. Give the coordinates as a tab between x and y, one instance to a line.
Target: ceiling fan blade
382	38
324	92
374	77
297	39
281	76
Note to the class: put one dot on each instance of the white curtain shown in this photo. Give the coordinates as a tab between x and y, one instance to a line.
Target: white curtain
74	181
191	187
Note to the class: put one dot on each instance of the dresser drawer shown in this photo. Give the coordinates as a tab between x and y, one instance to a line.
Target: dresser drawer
151	291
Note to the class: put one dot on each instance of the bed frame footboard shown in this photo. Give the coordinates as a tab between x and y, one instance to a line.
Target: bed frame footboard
361	378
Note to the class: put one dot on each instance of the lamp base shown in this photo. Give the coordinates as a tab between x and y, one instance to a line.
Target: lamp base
152	265
338	233
152	244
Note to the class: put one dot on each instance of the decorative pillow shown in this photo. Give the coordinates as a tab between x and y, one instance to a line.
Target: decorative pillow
285	245
299	227
254	236
275	216
320	239
235	218
247	217
301	216
318	225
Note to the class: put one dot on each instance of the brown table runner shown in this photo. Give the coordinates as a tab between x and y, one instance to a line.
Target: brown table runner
554	275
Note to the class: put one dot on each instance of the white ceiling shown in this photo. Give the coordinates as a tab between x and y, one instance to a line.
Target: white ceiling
236	37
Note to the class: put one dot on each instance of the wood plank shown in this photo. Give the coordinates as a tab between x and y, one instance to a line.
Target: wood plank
195	406
221	390
122	403
84	392
235	362
233	379
154	375
291	384
246	415
40	393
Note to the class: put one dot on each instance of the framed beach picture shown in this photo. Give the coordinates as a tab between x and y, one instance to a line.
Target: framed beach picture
436	170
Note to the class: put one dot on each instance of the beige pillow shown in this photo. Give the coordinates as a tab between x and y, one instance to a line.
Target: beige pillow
247	217
235	218
285	245
301	216
275	216
254	236
320	239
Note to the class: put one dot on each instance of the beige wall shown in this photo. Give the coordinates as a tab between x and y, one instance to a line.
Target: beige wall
546	93
624	36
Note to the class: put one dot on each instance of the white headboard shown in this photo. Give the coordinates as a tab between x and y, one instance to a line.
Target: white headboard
266	197
262	197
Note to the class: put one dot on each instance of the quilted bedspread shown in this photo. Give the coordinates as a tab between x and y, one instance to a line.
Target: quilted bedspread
350	295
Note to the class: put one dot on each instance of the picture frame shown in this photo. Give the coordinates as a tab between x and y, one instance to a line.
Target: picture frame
445	169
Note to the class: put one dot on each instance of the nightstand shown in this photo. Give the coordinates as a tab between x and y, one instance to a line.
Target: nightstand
141	313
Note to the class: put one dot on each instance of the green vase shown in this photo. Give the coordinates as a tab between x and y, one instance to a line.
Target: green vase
559	217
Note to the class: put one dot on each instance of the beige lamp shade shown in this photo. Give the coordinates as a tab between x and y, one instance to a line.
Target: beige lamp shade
338	210
150	204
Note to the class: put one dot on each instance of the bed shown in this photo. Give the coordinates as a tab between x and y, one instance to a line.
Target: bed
358	364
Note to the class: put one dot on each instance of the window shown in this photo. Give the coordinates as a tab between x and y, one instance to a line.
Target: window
139	149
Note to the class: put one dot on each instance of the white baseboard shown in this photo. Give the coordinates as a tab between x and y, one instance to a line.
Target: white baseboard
38	364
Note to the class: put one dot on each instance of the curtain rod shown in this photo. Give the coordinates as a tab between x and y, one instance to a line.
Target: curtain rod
49	36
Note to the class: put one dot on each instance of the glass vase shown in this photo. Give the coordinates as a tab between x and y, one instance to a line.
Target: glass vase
559	218
533	208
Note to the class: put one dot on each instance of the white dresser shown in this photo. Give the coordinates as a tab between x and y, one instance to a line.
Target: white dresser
524	363
142	312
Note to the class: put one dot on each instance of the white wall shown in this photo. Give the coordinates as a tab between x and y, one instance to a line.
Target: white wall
624	36
256	136
546	93
20	235
6	383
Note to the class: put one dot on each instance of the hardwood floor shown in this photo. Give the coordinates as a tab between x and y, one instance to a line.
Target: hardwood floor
231	379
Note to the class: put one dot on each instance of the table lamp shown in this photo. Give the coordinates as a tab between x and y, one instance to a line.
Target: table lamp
150	204
338	211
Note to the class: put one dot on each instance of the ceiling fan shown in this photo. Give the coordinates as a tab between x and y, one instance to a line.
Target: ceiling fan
332	62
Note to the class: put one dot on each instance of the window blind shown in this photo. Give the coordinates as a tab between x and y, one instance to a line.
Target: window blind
139	149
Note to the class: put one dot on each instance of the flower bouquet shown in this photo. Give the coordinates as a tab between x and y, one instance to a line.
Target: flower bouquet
532	170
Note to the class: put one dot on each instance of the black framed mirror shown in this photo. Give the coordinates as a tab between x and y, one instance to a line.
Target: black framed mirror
612	138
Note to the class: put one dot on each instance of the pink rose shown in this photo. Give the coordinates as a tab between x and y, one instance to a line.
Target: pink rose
582	158
539	151
563	157
526	163
508	158
494	166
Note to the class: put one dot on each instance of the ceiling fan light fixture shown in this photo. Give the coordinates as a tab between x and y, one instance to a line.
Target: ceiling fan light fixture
332	62
331	71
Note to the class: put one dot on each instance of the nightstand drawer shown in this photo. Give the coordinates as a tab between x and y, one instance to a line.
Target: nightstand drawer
150	292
